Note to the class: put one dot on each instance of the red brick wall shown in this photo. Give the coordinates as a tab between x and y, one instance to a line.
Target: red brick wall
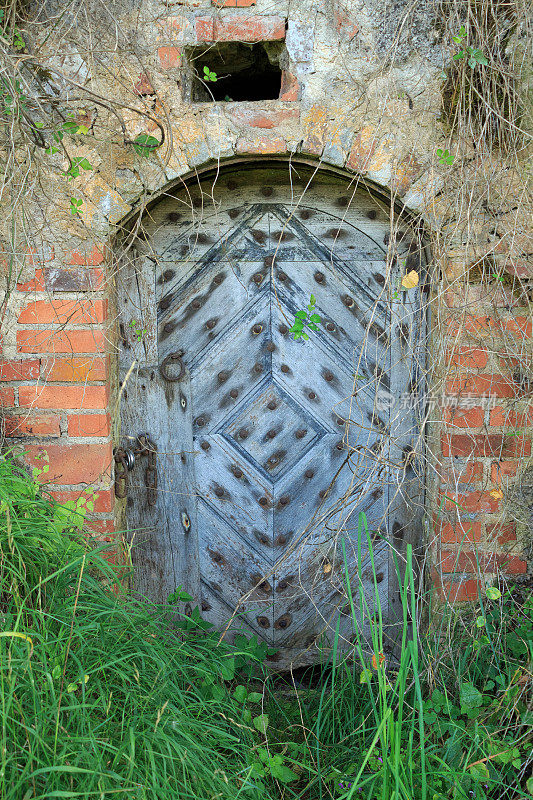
484	438
55	392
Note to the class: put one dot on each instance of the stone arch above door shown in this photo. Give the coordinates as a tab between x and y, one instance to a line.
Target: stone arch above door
268	448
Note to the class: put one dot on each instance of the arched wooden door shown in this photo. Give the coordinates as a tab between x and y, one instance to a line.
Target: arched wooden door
268	448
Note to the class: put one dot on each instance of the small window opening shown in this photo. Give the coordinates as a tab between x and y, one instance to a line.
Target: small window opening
243	72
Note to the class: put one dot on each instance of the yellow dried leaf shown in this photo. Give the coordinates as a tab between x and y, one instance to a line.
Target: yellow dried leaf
326	568
497	494
410	280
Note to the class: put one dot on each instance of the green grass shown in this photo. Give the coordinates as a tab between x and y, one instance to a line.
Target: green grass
105	696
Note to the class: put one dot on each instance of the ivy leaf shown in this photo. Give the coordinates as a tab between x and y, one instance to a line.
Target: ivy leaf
145	144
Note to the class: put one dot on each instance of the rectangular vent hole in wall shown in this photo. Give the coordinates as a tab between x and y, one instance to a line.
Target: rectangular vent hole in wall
243	72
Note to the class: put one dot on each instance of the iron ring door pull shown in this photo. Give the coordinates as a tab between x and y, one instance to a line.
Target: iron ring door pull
176	356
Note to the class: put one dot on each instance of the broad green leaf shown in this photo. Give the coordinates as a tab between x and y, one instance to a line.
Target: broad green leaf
255	697
493	593
529	785
479	772
313	300
469	697
261	723
314	318
301	315
240	694
227	669
72	687
481	622
282	773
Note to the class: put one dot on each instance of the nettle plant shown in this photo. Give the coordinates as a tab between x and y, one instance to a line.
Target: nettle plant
474	56
306	319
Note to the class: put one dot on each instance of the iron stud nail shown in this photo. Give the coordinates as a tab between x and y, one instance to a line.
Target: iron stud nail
258	277
234	393
168	327
200	421
210	324
165	302
272	405
330	326
300	433
205	446
168	274
348	301
258	367
271	434
285	368
257	328
283	329
263	501
270	347
312	395
328	376
282	539
243	433
237	472
219	491
196	304
282	276
223	375
309	473
284	500
217	280
319	277
263	622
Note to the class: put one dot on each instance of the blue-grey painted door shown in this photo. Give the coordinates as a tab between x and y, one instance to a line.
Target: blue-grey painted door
269	448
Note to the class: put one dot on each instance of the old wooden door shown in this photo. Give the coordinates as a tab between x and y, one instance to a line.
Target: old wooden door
269	448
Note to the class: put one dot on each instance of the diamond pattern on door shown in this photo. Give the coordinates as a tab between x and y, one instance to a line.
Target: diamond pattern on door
272	432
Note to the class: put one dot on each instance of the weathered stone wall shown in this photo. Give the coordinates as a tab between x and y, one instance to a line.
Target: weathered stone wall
361	92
